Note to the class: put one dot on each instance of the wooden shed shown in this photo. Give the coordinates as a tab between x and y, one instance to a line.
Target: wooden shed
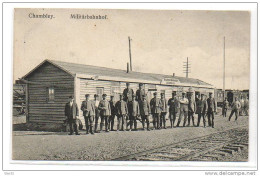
51	83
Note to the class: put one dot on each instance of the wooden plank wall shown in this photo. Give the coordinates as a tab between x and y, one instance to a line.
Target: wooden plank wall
40	110
88	86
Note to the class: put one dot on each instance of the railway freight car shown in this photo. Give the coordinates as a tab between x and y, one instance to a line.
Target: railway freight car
230	94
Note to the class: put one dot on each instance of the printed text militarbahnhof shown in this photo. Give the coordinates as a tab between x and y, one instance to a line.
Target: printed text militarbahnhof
91	17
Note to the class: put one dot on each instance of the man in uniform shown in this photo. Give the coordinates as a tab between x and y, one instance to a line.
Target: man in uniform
88	109
246	106
134	112
163	111
197	98
140	92
121	112
145	110
113	113
191	109
156	106
225	107
72	114
184	103
211	110
235	108
128	93
202	110
242	103
105	112
174	106
128	98
96	103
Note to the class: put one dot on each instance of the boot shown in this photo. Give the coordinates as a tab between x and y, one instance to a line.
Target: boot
91	130
107	127
154	124
101	127
135	125
148	129
143	124
158	125
131	125
164	126
118	126
198	124
112	126
193	121
173	123
96	126
178	124
87	129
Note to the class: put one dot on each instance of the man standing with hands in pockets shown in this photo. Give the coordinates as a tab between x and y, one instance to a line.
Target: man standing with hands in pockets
72	114
88	109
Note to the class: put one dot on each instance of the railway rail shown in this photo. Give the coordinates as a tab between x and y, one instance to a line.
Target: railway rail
213	147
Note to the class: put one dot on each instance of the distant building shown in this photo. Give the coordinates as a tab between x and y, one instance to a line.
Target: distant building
52	82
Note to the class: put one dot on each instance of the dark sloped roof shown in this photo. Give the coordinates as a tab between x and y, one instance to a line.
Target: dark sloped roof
73	69
103	71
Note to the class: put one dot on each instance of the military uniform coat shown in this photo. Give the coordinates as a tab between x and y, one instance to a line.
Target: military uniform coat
211	104
192	105
144	107
128	94
246	103
202	106
104	107
156	105
164	105
242	103
139	94
236	105
96	103
71	112
225	104
88	108
121	108
134	108
173	104
113	107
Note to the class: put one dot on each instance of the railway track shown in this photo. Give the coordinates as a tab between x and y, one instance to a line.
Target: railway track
212	147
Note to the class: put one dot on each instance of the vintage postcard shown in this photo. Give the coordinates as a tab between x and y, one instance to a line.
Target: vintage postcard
131	85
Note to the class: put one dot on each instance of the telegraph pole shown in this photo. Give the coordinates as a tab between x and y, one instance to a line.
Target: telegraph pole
129	39
186	67
224	73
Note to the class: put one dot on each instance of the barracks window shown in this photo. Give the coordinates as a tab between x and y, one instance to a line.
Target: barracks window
100	91
50	94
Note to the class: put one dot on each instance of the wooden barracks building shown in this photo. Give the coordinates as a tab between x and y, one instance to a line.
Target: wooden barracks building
51	83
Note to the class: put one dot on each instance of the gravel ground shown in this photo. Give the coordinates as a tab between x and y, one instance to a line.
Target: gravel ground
105	146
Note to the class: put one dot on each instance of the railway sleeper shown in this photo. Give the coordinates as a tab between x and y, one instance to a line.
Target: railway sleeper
241	143
172	157
236	145
221	153
237	149
211	156
227	151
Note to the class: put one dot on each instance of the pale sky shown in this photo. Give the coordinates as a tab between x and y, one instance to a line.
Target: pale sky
161	42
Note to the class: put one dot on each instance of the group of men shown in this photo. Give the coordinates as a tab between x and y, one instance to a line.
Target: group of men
239	107
131	106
